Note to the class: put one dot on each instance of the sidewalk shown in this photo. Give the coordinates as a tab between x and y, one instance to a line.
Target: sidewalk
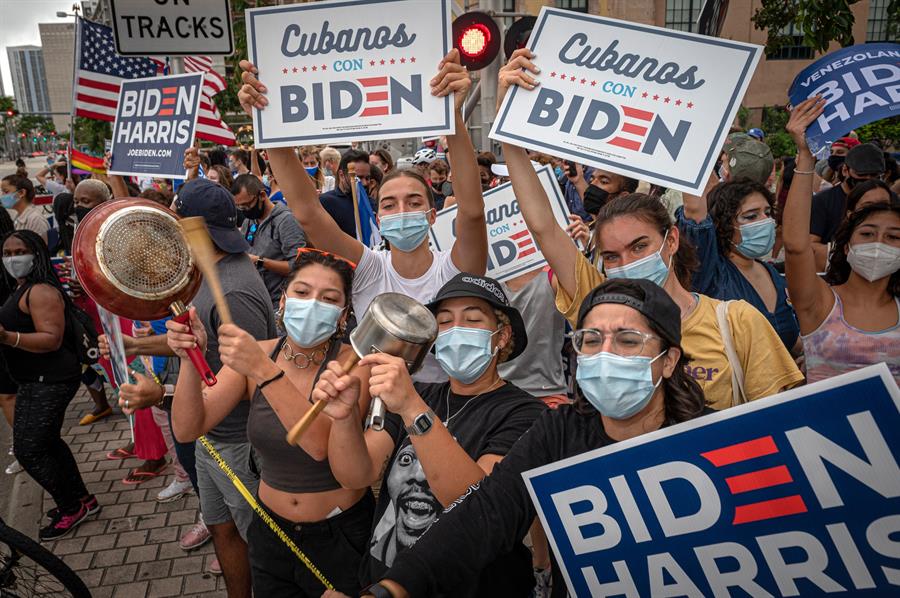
131	548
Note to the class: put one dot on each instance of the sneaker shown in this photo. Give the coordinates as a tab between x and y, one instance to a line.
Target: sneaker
90	503
214	567
174	491
63	524
195	537
543	585
14	467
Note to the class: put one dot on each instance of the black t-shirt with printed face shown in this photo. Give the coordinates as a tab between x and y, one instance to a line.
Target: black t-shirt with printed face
482	425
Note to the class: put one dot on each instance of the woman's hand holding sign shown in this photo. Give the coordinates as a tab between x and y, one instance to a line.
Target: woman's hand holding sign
452	77
252	92
515	72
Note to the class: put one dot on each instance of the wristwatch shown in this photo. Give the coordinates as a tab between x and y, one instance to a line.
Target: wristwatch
260	263
421	424
376	589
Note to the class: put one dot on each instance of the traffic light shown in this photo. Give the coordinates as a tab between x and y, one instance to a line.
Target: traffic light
477	37
517	35
10	112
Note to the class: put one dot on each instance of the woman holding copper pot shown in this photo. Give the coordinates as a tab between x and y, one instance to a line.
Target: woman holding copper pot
328	523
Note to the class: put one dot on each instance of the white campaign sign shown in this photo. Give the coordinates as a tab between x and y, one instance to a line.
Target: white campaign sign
172	27
349	69
511	248
646	102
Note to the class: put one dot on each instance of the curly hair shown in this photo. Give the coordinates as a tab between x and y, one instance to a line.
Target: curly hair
503	320
684	399
838	267
653	212
724	204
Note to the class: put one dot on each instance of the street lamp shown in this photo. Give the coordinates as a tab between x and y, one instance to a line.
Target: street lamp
71	145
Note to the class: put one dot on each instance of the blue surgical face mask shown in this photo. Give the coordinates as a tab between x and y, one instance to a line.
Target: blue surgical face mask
757	238
464	353
309	322
651	268
9	200
265	180
617	387
558	171
405	230
312	170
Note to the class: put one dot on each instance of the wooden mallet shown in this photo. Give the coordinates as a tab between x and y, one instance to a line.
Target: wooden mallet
196	235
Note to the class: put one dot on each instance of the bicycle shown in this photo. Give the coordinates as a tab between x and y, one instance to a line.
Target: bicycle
28	569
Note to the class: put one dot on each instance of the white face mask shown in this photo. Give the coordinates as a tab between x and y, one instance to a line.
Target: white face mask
874	261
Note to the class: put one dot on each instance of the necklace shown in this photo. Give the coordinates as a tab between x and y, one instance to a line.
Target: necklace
300	359
461	409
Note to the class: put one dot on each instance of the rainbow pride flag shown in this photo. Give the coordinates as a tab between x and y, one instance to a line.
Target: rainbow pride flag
87	162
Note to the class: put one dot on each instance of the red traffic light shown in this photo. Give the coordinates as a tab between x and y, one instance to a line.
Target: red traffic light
477	37
10	112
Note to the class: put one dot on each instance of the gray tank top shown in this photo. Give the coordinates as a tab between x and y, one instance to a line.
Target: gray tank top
284	467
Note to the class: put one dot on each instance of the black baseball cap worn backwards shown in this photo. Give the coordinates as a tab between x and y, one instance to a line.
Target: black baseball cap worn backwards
489	290
211	201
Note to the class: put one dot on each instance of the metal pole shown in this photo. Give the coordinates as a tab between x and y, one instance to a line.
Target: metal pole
77	50
488	81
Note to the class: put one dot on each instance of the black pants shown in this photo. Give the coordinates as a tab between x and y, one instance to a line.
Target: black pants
335	546
37	444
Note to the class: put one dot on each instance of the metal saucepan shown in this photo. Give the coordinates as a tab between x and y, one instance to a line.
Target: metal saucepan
394	324
397	325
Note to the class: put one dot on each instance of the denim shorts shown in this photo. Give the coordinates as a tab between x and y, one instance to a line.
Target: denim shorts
220	501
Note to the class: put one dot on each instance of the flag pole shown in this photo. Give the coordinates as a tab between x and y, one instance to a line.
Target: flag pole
75	59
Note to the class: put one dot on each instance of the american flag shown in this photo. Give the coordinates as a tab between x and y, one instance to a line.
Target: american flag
101	71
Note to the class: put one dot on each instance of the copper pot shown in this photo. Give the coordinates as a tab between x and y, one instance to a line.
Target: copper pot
129	256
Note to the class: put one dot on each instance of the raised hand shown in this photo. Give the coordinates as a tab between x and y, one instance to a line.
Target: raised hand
181	338
453	78
239	351
802	115
514	73
252	93
340	391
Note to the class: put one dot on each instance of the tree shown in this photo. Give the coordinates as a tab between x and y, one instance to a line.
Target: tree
92	133
34	122
885	132
819	22
774	119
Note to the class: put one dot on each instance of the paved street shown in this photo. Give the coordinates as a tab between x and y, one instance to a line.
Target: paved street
131	549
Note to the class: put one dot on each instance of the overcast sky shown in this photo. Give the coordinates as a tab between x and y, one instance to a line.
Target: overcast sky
19	27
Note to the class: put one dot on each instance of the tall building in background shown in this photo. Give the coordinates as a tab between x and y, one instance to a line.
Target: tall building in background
58	42
26	64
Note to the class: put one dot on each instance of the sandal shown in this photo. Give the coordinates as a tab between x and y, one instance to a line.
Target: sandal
90	418
136	476
120	454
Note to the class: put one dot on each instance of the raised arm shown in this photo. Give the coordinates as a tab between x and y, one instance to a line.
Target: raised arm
357	459
695	207
116	181
195	409
558	248
297	186
809	294
469	252
191	163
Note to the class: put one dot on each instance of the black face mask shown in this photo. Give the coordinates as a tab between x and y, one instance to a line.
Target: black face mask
81	212
594	199
255	212
835	163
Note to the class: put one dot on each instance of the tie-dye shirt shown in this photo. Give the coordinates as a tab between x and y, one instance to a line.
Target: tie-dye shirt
836	347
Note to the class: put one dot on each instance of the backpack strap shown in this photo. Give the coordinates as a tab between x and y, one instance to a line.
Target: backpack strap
738	396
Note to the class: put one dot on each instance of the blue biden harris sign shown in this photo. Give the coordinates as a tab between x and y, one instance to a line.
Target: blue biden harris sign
793	495
860	84
155	122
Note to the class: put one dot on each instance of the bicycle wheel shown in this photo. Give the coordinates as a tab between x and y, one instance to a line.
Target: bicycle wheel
28	569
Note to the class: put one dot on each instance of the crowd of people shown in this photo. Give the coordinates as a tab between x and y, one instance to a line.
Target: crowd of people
669	306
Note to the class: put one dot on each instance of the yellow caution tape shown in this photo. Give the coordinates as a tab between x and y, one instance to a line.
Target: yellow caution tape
262	513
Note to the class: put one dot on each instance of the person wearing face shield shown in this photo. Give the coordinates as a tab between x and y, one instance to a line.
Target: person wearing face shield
829	207
631	381
850	319
441	438
406	211
636	238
